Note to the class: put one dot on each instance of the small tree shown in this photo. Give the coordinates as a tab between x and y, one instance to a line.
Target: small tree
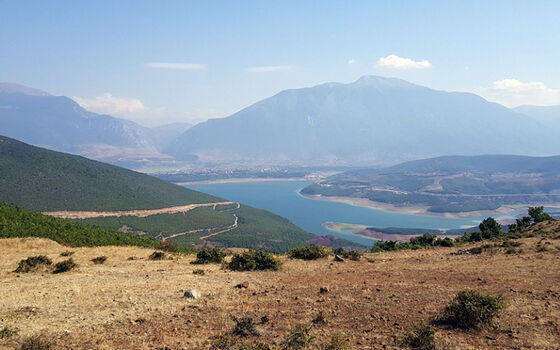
538	214
490	228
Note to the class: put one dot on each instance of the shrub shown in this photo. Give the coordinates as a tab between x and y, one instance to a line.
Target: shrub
31	263
489	228
337	343
254	260
67	253
168	246
320	318
312	252
225	343
209	255
351	254
157	256
199	272
99	260
245	327
35	343
538	214
299	338
421	338
471	309
7	332
64	266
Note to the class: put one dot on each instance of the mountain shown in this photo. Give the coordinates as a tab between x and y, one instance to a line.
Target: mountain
47	181
374	120
451	184
59	123
546	115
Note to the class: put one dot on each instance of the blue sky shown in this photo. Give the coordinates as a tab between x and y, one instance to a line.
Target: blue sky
163	61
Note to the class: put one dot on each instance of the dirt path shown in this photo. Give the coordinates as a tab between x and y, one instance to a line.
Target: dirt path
223	230
138	213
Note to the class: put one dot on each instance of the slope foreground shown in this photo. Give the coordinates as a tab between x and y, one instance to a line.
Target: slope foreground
139	304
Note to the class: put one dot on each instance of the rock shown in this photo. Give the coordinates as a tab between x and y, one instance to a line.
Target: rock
242	285
324	290
265	319
338	258
192	294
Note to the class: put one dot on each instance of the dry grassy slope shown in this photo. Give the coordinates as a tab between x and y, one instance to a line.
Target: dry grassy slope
371	301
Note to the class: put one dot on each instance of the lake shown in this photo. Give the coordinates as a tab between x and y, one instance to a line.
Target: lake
282	198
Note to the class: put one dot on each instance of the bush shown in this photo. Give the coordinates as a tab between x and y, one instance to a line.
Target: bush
157	256
351	254
471	309
35	343
299	338
254	260
320	318
99	260
31	263
199	272
67	253
538	214
7	332
337	343
64	266
245	327
209	255
312	252
421	338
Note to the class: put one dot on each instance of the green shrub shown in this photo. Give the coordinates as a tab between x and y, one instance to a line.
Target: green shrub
64	266
351	254
209	255
225	343
337	343
299	338
245	327
421	338
35	343
471	309
254	260
157	255
99	260
33	262
7	332
538	214
312	252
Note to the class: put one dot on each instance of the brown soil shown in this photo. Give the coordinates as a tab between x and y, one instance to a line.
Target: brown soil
139	304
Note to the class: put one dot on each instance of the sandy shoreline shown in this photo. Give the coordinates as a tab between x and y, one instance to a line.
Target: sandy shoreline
243	180
416	210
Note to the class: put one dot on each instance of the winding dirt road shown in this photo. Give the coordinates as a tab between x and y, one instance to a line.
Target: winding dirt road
139	213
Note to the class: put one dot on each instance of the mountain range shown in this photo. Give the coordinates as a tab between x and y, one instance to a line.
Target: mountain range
59	123
372	121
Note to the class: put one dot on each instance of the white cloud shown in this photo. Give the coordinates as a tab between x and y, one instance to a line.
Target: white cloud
396	62
179	66
266	69
109	104
352	61
512	93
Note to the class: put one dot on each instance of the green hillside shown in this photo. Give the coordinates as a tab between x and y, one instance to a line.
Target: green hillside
43	180
18	222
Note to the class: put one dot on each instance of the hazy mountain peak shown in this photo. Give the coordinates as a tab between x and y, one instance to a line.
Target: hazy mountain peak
379	81
13	88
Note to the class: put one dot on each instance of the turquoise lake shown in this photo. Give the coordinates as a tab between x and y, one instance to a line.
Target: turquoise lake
282	198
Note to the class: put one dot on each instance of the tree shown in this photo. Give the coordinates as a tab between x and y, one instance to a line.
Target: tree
489	228
538	214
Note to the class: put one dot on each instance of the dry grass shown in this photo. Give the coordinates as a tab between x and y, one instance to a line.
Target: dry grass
139	304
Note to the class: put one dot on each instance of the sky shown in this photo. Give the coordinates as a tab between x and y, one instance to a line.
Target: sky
157	62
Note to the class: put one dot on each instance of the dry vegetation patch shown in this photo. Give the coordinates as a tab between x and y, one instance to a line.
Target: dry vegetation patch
139	304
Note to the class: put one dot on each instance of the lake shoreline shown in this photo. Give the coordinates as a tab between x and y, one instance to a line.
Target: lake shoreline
242	180
411	210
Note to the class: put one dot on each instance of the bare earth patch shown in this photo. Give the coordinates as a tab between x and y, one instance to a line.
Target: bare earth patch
139	304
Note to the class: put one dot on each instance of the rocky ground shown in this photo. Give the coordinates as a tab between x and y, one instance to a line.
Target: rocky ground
140	304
